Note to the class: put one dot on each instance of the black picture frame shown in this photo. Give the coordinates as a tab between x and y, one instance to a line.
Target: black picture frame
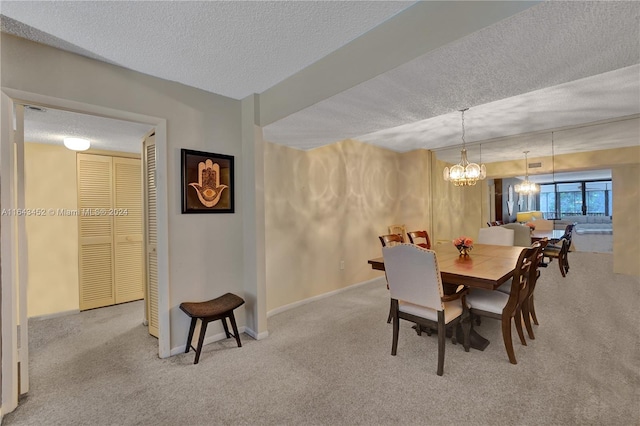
207	182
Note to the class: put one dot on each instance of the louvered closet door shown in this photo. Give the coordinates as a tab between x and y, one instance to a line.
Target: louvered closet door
95	192
127	220
151	234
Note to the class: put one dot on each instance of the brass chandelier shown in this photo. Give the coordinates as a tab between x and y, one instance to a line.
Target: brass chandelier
464	173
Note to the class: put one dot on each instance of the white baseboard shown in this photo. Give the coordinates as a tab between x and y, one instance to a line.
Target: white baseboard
321	296
256	336
209	339
55	315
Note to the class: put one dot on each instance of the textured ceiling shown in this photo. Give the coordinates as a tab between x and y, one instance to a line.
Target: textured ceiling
52	126
555	66
232	48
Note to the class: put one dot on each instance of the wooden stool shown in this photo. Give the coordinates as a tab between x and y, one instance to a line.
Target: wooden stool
220	308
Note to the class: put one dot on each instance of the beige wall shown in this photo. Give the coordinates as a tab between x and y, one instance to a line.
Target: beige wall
457	210
626	219
52	239
205	251
330	204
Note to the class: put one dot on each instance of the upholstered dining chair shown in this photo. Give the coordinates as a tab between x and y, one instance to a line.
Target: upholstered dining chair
417	295
415	236
505	307
390	240
521	234
496	235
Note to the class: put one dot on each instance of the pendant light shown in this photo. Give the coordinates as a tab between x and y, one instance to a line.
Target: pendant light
464	173
526	187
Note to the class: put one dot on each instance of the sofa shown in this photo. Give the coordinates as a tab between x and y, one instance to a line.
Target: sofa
587	224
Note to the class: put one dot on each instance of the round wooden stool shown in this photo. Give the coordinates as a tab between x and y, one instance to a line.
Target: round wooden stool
220	308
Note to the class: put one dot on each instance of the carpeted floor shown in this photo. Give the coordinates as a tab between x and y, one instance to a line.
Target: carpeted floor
329	363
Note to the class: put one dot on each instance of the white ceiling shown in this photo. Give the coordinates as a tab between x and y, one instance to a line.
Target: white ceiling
555	66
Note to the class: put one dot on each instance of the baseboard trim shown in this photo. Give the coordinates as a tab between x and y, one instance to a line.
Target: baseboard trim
55	315
208	339
321	296
254	335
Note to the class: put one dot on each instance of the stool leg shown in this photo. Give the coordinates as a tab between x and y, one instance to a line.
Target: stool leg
191	329
226	328
203	330
235	328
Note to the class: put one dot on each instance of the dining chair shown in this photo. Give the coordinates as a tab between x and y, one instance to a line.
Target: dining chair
521	234
417	295
414	237
496	235
528	311
505	307
559	251
391	240
398	229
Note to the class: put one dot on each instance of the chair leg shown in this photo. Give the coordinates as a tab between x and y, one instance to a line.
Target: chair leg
532	309
465	322
232	318
192	327
506	336
203	331
526	317
518	321
561	265
390	312
226	328
441	342
396	327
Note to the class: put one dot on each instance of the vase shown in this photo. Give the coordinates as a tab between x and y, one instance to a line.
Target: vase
464	251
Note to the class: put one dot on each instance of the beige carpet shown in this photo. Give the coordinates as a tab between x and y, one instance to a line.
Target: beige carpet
329	363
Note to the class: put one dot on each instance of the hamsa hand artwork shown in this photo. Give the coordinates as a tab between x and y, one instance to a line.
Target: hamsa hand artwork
208	186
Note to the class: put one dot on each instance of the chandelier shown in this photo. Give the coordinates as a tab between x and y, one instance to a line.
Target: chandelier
526	187
464	173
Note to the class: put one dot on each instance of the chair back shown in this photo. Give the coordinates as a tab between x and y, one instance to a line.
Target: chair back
413	275
536	260
414	237
391	239
521	279
496	235
398	229
521	234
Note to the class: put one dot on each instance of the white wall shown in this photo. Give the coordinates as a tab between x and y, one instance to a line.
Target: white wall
205	250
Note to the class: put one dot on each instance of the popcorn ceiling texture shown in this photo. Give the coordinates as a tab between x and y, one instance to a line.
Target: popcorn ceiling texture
553	66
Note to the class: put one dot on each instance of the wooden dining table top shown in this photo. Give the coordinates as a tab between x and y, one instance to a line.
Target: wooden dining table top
487	266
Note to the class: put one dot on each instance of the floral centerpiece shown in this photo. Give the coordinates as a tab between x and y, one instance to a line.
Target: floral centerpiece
532	226
463	244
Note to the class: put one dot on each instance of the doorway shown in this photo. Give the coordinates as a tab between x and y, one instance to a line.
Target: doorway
14	341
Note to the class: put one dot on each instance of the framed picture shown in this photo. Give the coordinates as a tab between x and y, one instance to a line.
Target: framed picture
207	182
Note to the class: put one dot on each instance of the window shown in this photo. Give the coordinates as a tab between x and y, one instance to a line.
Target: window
592	198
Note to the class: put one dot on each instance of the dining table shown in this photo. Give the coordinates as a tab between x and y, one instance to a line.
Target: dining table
486	267
555	234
